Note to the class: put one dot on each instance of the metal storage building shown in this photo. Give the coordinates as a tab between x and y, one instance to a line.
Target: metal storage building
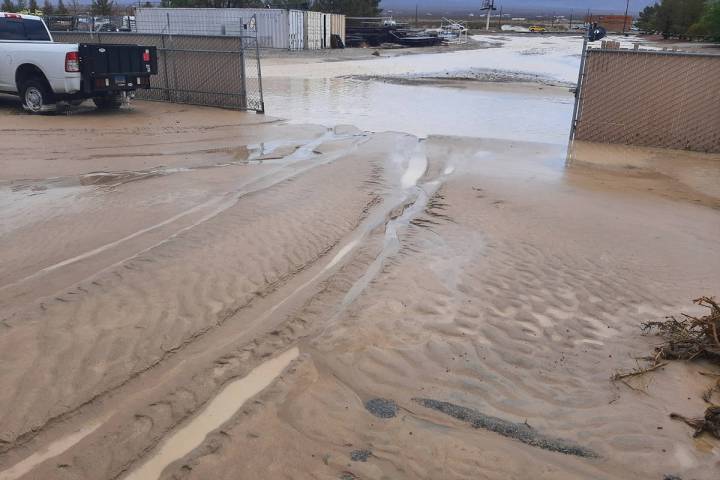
276	28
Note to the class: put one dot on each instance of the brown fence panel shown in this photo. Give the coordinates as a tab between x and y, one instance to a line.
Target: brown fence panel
650	98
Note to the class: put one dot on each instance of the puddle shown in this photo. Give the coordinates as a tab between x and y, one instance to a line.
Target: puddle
114	179
218	411
52	450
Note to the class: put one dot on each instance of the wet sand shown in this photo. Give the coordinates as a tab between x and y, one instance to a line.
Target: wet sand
172	271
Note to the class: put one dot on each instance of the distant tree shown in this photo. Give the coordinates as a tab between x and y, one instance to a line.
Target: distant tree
675	17
148	5
33	6
76	8
709	23
101	7
8	6
48	8
20	5
647	20
712	18
61	8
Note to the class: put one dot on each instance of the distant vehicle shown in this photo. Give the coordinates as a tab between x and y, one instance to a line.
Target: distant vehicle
108	27
537	29
42	72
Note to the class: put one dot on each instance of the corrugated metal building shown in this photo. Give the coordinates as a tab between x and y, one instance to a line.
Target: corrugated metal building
337	23
313	30
277	28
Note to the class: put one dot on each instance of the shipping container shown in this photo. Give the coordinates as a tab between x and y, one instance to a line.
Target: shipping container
313	30
276	28
338	25
297	37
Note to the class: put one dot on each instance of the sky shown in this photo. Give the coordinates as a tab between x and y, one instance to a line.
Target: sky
541	5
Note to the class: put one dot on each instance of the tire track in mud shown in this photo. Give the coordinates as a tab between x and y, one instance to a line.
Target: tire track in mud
230	314
375	248
292	328
214	206
142	260
479	311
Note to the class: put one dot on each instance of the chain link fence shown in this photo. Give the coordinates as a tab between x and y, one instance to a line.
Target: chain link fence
650	98
193	68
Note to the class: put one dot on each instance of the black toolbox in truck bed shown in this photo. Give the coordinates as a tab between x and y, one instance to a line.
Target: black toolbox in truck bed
109	67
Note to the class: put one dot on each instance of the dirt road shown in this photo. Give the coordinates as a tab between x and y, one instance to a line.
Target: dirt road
196	293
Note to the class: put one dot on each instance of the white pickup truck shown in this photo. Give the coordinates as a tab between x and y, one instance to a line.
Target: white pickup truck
42	72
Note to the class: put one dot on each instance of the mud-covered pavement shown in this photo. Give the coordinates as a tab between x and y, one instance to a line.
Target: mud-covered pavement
192	293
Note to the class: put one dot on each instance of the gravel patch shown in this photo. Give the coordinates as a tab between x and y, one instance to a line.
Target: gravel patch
381	407
360	455
518	431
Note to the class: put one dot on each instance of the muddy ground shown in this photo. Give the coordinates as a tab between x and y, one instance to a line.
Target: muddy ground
195	293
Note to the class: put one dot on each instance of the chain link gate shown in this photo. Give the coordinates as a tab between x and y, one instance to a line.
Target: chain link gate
650	98
195	68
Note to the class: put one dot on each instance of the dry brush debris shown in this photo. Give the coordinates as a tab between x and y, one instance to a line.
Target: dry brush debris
688	338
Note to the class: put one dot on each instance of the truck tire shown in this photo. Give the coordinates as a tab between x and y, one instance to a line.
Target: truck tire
35	95
109	102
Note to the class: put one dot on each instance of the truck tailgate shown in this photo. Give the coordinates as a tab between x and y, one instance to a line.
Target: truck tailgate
104	60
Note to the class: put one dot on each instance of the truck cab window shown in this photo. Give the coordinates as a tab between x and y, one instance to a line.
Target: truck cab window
11	29
35	30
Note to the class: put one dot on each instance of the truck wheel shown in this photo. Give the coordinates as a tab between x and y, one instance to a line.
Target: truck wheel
35	95
110	102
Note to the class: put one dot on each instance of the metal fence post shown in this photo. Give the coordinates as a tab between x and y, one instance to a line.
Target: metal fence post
165	60
259	71
176	83
243	73
578	89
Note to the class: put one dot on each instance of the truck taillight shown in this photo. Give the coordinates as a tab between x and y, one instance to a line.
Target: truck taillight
13	15
146	56
72	62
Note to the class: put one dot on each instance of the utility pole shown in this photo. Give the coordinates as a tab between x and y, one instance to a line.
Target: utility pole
627	8
488	5
487	26
500	18
416	15
571	17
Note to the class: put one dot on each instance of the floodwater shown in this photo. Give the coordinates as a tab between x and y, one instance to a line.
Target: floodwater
512	88
527	98
547	58
164	265
422	110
